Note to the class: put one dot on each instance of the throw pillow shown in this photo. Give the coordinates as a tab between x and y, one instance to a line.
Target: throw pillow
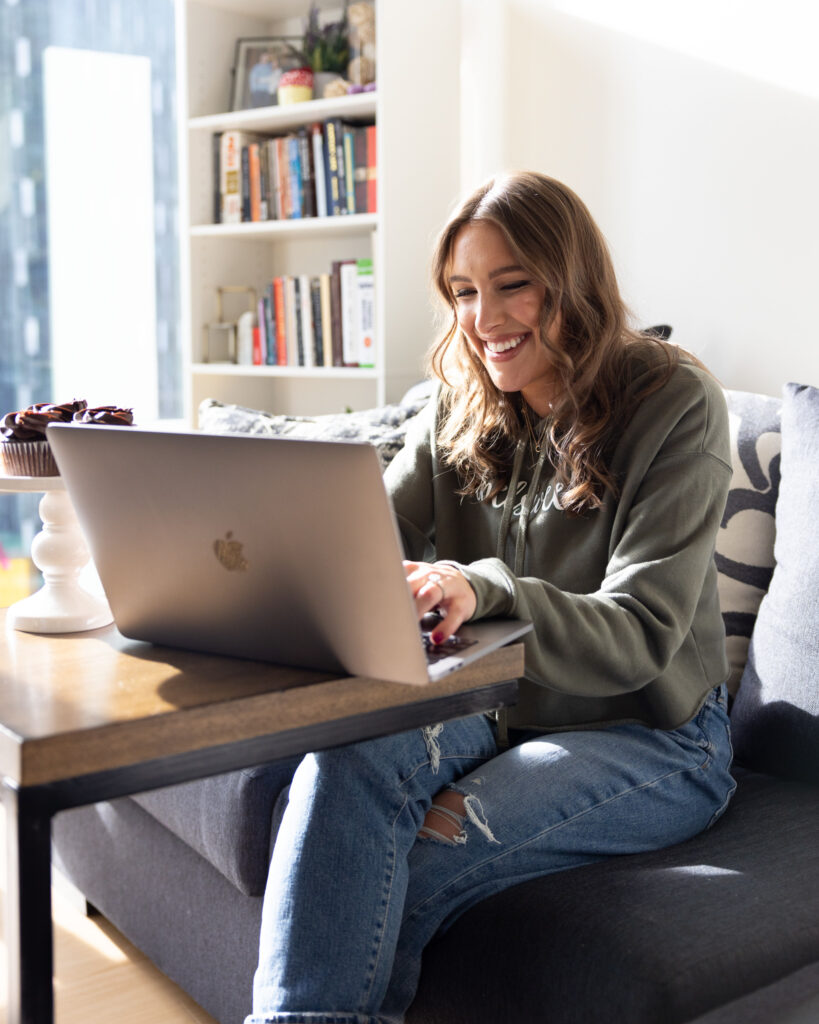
384	427
776	713
745	542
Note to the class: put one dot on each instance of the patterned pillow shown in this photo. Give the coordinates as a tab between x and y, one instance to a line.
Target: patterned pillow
776	713
745	542
385	427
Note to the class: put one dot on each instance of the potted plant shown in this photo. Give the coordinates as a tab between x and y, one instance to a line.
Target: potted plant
327	49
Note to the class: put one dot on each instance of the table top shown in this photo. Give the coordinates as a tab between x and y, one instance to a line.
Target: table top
24	484
72	704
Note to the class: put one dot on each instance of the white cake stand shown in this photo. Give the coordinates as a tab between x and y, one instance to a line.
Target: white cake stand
59	551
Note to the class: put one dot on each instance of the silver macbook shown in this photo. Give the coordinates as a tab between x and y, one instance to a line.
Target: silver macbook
274	549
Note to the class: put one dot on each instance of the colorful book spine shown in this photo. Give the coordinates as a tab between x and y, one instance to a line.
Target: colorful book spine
349	312
372	170
281	321
308	182
359	162
326	320
335	198
318	326
349	166
365	313
291	321
307	347
317	141
255	180
231	188
216	167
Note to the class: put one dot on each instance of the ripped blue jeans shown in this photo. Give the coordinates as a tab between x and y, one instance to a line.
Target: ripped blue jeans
354	894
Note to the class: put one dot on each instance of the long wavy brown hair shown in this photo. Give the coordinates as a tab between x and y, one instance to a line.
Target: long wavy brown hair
604	368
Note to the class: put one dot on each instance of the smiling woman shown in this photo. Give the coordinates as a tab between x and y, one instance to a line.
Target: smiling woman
599	529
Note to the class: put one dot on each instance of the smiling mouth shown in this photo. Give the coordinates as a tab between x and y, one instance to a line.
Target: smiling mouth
507	345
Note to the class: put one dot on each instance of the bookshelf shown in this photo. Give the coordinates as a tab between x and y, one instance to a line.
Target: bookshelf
416	109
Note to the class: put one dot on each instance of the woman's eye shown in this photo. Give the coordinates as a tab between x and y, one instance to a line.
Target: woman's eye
514	285
463	293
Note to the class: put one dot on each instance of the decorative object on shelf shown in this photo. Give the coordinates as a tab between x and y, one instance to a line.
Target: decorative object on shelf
295	86
220	340
61	605
361	69
327	49
258	67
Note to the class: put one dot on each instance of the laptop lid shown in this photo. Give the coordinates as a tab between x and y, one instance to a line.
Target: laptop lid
273	549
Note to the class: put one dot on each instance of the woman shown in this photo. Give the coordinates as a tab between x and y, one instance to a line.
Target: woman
570	471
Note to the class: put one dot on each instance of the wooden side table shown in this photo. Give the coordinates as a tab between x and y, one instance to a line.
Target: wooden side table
92	716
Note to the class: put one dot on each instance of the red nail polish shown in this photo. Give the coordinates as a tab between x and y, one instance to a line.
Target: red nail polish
438	637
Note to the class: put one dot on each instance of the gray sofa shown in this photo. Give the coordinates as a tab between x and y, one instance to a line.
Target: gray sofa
723	928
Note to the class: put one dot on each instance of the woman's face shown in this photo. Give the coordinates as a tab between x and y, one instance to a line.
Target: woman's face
498	307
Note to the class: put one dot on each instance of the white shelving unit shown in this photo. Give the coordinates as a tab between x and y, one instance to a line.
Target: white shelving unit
416	109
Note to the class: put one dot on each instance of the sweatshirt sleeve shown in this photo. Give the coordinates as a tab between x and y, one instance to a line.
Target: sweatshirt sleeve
659	576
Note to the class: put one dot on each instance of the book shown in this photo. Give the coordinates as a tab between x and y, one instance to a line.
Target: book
307	346
365	316
264	182
317	140
273	197
349	312
291	319
349	177
246	183
359	163
255	182
372	170
308	184
231	146
335	197
281	321
258	359
335	312
295	173
216	164
326	320
269	326
318	326
282	166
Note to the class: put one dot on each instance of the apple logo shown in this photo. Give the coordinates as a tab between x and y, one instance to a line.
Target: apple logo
229	553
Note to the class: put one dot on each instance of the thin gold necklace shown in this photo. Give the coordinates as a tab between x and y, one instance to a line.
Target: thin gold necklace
537	442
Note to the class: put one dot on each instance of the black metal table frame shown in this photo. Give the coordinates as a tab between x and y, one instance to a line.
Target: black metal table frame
29	810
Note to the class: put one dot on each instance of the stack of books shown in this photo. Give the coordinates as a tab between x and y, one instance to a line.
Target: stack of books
326	169
323	320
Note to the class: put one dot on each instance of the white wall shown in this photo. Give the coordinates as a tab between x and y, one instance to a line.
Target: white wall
692	132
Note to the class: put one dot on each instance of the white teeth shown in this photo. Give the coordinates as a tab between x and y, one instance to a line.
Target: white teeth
504	346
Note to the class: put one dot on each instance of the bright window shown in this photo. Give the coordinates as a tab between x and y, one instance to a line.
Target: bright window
89	264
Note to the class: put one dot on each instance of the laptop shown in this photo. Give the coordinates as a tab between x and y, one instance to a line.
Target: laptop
273	549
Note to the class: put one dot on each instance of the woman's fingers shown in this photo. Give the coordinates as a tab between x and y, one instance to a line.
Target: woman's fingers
441	586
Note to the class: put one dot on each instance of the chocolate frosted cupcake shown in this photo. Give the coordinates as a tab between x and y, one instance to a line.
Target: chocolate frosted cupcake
24	450
110	415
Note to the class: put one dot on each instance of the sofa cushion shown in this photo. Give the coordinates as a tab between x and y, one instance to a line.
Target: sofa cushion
776	714
384	427
638	939
229	819
744	550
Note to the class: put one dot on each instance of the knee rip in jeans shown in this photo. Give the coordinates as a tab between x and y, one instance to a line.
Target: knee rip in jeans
447	817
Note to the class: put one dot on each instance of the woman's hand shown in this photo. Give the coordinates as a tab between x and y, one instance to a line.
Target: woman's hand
441	586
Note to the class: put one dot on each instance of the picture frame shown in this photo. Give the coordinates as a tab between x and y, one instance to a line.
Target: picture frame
258	65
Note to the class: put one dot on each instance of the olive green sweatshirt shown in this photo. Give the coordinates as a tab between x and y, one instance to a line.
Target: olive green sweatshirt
623	599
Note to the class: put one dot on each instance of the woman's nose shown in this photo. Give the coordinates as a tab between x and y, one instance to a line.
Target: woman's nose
488	315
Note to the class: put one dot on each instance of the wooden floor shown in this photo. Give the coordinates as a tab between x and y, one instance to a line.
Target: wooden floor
100	976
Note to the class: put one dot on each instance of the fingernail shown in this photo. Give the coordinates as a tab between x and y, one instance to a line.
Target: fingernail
438	637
